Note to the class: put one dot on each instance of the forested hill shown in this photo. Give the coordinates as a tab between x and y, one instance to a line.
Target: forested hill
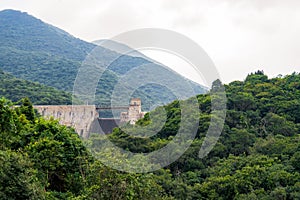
36	51
257	156
21	31
15	89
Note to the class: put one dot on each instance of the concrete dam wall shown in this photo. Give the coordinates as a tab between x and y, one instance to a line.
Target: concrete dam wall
85	118
80	117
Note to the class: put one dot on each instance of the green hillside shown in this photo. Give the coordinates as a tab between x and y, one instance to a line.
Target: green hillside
35	51
16	89
257	156
25	32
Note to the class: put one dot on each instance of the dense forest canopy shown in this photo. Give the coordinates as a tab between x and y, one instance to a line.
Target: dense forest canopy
256	157
15	89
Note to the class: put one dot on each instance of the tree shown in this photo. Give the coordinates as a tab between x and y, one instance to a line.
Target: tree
59	155
26	108
18	178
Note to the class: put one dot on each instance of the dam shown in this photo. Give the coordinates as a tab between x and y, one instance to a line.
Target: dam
86	119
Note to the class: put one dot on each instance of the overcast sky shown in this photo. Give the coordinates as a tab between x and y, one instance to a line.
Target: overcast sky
240	36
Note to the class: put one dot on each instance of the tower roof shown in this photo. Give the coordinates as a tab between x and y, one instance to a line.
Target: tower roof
135	99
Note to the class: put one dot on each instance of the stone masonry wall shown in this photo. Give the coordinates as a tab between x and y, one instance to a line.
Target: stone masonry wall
79	117
134	112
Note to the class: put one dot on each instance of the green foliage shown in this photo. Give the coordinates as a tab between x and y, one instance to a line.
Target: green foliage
242	175
59	155
26	108
106	183
42	159
35	51
16	89
18	179
10	125
54	152
256	157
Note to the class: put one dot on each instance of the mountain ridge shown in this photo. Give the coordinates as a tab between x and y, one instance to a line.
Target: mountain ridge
36	51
